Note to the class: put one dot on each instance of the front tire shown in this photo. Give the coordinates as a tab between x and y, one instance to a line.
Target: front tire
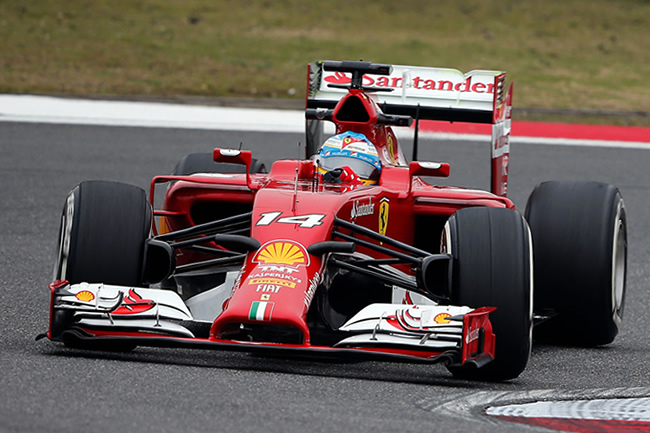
103	230
492	268
580	242
104	226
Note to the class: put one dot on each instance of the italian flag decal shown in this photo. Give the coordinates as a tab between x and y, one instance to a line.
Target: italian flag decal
260	310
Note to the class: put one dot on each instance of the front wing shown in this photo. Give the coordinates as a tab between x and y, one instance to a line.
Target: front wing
96	313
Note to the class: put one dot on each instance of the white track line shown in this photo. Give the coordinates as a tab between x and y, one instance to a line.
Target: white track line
46	109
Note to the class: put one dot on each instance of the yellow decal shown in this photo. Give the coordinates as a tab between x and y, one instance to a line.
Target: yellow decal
442	318
265	297
276	281
163	226
282	253
390	142
85	295
383	217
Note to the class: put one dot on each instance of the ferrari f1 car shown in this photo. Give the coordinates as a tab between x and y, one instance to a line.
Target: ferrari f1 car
329	261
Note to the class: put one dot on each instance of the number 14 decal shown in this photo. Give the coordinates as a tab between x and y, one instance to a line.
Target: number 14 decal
307	221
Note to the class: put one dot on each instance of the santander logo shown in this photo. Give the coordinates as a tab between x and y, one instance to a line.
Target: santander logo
339	78
133	303
417	82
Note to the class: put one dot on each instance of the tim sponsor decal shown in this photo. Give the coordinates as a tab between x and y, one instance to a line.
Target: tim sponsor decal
277	270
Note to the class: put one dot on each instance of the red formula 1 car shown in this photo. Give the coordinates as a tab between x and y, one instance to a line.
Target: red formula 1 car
348	253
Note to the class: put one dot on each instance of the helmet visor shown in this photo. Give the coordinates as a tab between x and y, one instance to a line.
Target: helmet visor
361	168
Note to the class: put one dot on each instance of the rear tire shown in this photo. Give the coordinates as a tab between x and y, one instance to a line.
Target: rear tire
580	247
492	268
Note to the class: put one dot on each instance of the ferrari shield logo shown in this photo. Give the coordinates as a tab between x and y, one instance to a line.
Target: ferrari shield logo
383	216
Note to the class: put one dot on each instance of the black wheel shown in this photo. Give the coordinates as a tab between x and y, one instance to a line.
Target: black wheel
104	226
203	163
103	229
580	247
492	267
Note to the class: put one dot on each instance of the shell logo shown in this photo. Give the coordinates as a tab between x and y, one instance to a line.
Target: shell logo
85	296
442	318
282	253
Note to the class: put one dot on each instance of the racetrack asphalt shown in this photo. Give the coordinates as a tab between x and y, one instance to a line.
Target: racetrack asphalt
49	388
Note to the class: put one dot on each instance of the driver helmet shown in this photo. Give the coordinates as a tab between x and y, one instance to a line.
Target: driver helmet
350	150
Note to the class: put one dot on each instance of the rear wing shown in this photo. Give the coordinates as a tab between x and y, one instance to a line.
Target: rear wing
442	94
423	93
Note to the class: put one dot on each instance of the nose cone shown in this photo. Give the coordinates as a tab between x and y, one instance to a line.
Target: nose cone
273	295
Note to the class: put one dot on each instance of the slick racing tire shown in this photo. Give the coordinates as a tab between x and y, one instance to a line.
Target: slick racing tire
104	226
580	247
203	163
491	252
103	230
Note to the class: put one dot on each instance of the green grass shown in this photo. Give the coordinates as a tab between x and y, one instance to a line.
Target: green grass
565	54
